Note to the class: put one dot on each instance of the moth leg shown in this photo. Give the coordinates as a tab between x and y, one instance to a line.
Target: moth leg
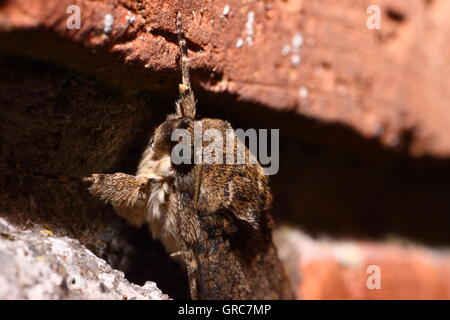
128	194
191	268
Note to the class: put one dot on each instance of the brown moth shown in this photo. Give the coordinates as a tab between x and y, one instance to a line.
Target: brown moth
215	217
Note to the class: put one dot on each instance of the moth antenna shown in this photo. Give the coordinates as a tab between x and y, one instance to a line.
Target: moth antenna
186	104
62	179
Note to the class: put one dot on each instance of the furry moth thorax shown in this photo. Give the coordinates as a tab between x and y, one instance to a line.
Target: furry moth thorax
223	187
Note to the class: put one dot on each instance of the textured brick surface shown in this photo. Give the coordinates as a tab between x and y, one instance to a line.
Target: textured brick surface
315	58
326	269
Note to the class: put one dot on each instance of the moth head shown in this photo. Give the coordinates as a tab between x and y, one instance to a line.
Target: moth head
158	158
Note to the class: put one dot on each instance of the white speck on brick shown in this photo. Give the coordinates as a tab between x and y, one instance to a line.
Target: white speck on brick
226	10
303	92
295	59
286	50
249	27
297	42
108	22
296	48
130	19
239	43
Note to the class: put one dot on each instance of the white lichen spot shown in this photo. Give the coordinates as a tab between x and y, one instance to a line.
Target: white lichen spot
303	92
130	19
297	42
249	27
286	50
296	48
108	22
239	43
295	59
226	11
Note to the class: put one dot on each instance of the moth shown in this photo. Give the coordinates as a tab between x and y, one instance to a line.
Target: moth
214	218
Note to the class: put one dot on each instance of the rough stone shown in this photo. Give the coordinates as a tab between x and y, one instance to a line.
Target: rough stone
37	265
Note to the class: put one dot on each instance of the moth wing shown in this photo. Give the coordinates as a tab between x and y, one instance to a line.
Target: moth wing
248	195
